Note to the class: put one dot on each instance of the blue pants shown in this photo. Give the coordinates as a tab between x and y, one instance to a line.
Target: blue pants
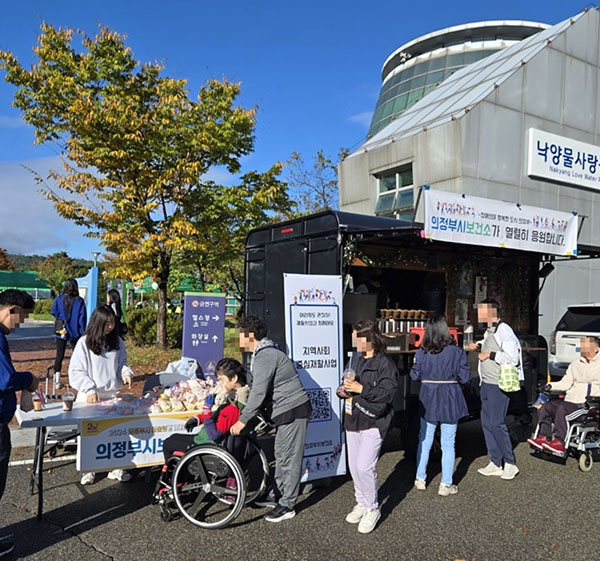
5	447
494	405
426	435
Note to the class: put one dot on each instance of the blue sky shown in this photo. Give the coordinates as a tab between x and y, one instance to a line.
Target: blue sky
312	68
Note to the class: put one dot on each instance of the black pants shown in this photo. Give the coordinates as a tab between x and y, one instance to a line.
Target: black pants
556	410
61	347
177	443
5	447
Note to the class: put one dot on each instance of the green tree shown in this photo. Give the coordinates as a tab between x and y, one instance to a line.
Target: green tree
56	269
135	149
6	263
314	185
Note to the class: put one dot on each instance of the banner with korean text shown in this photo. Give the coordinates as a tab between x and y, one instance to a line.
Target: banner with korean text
563	160
204	328
313	319
126	442
465	219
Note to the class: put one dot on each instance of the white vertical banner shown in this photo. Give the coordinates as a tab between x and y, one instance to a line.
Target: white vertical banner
313	332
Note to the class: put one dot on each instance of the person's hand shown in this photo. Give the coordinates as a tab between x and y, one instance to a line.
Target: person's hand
483	356
237	428
128	378
353	386
92	398
191	424
341	392
473	346
34	384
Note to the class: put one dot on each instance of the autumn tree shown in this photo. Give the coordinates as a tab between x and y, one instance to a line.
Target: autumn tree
135	150
314	185
6	263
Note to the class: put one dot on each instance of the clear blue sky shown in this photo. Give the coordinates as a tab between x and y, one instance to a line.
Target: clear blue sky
312	68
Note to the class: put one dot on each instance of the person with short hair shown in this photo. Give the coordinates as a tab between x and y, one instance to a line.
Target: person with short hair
276	386
499	346
98	369
440	366
367	418
70	322
581	379
15	306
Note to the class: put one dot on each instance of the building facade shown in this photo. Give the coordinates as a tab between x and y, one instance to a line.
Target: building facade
471	135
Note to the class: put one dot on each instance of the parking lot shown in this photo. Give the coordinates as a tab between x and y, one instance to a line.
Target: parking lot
547	512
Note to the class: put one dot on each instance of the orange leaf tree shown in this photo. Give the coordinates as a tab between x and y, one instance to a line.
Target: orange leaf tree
135	150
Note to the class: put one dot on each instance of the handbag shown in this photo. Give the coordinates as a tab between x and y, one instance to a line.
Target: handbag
508	381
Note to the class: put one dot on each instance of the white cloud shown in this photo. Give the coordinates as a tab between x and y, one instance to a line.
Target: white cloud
12	122
28	221
363	118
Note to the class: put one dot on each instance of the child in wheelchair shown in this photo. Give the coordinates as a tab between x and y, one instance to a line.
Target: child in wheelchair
567	400
214	425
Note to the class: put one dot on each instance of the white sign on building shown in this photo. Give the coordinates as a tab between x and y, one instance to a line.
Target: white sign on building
564	160
313	333
451	217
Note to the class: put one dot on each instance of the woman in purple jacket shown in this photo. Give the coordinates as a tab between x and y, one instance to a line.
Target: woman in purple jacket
440	366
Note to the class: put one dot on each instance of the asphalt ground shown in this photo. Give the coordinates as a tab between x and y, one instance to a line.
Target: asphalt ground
547	512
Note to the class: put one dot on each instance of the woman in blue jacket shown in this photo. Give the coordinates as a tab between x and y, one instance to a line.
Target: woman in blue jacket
70	316
440	366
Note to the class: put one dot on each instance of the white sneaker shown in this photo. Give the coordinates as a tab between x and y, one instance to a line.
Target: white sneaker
119	475
57	383
510	471
420	484
369	520
88	478
491	469
357	513
446	490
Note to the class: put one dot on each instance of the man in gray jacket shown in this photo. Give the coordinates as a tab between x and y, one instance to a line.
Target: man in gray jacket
275	386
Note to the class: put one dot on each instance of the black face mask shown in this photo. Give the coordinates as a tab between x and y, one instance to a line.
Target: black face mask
482	325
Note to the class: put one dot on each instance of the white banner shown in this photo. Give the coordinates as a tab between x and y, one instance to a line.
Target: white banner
473	220
313	319
124	443
563	160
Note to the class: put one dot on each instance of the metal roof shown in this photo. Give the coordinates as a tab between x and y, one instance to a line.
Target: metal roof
22	280
467	87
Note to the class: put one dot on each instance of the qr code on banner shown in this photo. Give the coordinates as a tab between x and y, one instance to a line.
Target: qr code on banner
320	401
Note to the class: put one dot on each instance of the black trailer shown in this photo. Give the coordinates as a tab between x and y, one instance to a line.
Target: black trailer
391	261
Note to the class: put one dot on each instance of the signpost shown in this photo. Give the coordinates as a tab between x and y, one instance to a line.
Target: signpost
313	319
204	328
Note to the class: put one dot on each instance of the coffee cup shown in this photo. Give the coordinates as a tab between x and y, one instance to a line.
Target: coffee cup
68	398
37	404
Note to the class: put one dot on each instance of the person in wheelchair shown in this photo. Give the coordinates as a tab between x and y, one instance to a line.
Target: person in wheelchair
216	424
581	380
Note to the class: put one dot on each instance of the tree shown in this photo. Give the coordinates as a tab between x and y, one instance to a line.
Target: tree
135	149
6	263
315	185
57	268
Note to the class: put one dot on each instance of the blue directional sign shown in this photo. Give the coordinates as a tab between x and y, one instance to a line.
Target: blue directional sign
204	328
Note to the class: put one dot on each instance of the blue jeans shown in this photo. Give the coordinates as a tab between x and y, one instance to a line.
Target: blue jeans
494	405
448	454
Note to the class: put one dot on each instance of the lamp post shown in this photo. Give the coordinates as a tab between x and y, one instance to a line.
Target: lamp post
95	254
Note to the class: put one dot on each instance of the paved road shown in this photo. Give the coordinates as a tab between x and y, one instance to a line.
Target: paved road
547	512
33	330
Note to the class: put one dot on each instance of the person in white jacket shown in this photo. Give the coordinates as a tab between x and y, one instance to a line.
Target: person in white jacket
98	369
581	379
499	346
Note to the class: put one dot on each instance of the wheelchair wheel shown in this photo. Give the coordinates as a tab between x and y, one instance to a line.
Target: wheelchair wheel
204	488
256	471
586	461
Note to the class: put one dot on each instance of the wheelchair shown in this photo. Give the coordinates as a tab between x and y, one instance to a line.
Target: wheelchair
209	484
583	433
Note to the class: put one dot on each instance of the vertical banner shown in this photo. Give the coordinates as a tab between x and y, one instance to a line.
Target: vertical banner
204	328
313	319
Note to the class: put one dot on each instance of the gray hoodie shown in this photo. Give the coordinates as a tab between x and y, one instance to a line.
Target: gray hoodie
274	383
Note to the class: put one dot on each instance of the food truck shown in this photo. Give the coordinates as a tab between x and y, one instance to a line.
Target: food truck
391	272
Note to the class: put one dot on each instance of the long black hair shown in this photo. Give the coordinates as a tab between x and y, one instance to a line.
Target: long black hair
95	339
114	297
437	336
71	292
368	329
